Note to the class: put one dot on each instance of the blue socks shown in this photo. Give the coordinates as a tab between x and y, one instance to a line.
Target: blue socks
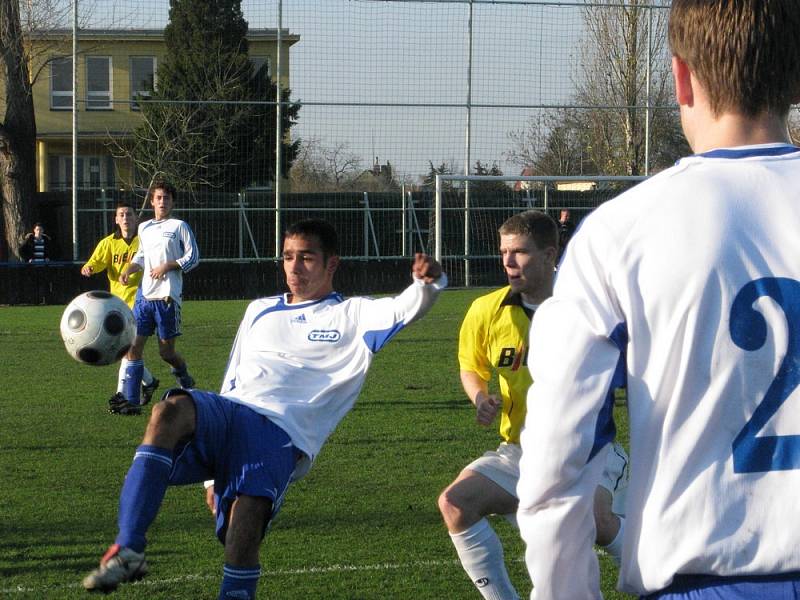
239	583
142	493
131	389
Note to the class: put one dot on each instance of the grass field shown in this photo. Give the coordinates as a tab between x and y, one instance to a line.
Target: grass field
363	524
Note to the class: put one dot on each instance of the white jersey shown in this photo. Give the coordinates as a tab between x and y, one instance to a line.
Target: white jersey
159	242
695	273
303	364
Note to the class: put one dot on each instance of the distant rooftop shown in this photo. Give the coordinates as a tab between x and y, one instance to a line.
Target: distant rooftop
153	34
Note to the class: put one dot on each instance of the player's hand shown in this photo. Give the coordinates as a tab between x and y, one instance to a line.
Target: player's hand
159	272
487	407
211	501
87	271
426	268
123	277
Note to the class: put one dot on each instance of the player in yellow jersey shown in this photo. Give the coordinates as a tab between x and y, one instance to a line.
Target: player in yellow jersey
112	254
494	337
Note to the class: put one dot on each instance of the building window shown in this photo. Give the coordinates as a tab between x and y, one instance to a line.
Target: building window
61	83
258	62
98	83
143	78
94	172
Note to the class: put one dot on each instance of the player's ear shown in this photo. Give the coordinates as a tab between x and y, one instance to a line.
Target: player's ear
682	75
333	264
551	253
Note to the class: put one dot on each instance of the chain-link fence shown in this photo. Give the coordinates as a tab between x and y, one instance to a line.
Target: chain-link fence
372	99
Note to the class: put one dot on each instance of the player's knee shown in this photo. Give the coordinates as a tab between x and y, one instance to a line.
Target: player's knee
171	419
450	508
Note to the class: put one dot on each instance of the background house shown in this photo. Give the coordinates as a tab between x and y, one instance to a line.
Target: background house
116	68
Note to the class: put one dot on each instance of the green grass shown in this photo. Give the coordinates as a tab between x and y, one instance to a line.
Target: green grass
363	524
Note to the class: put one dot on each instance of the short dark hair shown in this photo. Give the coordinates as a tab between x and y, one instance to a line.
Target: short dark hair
745	53
161	183
534	223
320	229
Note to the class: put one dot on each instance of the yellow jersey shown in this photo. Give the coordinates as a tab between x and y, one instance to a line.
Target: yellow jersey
112	255
494	336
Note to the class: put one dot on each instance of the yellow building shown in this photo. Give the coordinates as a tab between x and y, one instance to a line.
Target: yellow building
115	67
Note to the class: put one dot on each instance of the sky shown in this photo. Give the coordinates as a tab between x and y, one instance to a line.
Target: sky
389	79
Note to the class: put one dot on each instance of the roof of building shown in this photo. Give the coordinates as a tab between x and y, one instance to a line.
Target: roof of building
153	34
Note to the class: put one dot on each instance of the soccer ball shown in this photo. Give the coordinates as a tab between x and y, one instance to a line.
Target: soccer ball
97	328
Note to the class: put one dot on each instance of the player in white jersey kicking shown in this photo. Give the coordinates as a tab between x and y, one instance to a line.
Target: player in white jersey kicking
494	338
696	273
297	365
167	249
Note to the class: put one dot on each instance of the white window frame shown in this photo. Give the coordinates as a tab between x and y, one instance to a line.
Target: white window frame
142	93
95	96
58	60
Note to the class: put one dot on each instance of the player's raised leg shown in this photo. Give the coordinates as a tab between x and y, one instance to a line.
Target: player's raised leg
171	421
464	505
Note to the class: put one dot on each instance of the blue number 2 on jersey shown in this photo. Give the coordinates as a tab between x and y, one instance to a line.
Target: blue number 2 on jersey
748	327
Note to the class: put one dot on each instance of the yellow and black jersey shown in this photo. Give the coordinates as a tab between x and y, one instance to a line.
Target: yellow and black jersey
494	336
112	255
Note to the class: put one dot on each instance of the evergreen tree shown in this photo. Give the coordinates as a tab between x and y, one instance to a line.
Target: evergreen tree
209	123
487	187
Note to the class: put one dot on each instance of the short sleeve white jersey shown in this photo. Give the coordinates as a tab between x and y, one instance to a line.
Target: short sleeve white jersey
304	364
692	279
159	242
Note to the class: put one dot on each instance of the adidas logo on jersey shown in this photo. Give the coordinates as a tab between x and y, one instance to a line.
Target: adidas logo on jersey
300	319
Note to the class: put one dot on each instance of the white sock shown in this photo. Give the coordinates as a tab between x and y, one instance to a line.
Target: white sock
615	547
121	376
481	555
147	376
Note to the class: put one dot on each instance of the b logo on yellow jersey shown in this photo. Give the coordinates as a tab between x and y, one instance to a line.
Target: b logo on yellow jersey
513	357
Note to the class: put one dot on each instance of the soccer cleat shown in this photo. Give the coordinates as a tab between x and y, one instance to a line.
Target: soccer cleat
186	381
147	390
118	565
117	405
116	400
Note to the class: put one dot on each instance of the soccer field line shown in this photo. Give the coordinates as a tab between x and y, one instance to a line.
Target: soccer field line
337	568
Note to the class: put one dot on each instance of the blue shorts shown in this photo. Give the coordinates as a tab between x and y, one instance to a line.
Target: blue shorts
161	315
784	586
241	450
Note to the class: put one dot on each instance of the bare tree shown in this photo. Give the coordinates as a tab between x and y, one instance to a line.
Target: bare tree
17	130
324	167
28	33
552	142
619	39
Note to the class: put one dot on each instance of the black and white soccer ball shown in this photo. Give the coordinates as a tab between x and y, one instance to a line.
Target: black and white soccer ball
97	328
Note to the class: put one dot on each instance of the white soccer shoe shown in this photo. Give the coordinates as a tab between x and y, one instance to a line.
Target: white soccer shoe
118	565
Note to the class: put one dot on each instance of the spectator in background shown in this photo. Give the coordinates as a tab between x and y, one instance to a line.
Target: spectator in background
37	247
565	229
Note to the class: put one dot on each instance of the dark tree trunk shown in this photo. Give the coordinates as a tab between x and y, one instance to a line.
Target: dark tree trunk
17	131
